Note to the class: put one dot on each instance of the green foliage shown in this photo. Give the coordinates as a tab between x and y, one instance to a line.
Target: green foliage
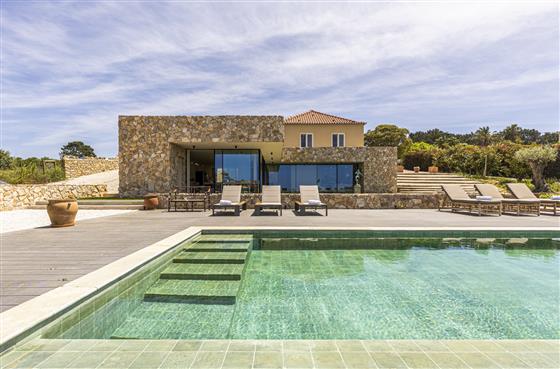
388	135
78	149
6	160
420	154
31	173
541	155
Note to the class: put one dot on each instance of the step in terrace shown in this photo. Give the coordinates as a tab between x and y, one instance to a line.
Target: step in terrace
410	182
99	204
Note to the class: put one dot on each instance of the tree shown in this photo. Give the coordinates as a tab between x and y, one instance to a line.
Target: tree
388	135
77	148
511	133
6	160
537	157
483	138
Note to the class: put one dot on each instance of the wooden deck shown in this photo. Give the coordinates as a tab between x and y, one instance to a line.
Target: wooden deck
35	261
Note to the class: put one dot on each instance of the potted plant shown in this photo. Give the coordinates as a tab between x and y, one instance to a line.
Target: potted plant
400	167
151	201
416	169
433	169
62	212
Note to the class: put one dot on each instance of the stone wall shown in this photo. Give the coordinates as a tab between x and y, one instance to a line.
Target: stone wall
22	196
148	145
76	167
347	200
378	167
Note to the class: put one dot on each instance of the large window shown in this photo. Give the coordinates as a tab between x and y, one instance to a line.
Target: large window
238	167
306	140
338	139
329	177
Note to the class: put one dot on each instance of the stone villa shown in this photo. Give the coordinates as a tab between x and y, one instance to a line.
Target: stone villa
161	153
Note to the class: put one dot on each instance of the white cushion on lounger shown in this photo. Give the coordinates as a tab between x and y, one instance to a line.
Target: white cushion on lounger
555	197
314	202
484	198
225	202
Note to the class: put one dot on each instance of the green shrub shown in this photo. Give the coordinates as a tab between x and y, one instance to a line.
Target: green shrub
419	154
30	174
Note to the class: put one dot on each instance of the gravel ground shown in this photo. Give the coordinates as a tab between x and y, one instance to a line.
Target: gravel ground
16	220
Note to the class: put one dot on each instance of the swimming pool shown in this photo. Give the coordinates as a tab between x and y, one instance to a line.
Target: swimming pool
333	285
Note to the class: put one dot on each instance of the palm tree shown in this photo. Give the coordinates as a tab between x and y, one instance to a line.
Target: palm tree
483	137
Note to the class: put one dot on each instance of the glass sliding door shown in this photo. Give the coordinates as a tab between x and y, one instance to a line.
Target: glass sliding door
329	177
238	167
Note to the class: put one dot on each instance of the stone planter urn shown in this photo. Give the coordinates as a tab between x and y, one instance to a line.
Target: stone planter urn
416	169
433	169
400	168
357	188
62	212
151	201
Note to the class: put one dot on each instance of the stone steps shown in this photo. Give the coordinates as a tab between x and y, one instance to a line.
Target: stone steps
95	207
194	291
211	257
410	182
208	271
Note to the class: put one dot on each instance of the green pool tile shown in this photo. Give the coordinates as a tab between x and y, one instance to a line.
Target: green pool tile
388	360
203	271
358	360
59	359
30	359
194	290
301	360
90	359
187	346
215	246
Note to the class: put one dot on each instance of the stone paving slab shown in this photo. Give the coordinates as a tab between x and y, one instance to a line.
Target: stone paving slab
194	354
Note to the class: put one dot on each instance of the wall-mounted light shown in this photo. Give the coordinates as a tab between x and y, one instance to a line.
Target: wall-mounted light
193	146
236	146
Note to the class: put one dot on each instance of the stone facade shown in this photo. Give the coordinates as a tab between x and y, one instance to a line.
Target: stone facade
347	200
76	167
22	196
377	163
149	145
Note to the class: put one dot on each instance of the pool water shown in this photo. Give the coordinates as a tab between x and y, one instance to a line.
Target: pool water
369	289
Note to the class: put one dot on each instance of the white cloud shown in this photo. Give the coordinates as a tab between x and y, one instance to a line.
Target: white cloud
69	69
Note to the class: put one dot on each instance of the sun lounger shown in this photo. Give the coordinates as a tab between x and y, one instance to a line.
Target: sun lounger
231	199
460	200
271	199
522	192
309	196
515	206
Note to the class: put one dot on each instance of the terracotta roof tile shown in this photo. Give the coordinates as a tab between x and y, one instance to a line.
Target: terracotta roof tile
315	117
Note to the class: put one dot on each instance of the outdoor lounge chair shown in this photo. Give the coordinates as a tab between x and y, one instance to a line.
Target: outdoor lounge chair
515	206
271	199
522	192
231	199
309	196
460	200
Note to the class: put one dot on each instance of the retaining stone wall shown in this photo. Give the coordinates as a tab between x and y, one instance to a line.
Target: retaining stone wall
76	167
21	196
346	201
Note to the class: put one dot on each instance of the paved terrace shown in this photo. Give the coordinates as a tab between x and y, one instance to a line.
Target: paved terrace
35	261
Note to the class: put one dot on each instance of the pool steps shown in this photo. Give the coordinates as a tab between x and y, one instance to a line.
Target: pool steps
207	271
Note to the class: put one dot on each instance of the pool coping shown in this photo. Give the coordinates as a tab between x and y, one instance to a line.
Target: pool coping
21	321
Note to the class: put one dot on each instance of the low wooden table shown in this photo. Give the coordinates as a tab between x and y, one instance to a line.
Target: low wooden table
194	201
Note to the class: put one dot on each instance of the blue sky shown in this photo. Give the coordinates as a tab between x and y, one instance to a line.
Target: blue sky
70	68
